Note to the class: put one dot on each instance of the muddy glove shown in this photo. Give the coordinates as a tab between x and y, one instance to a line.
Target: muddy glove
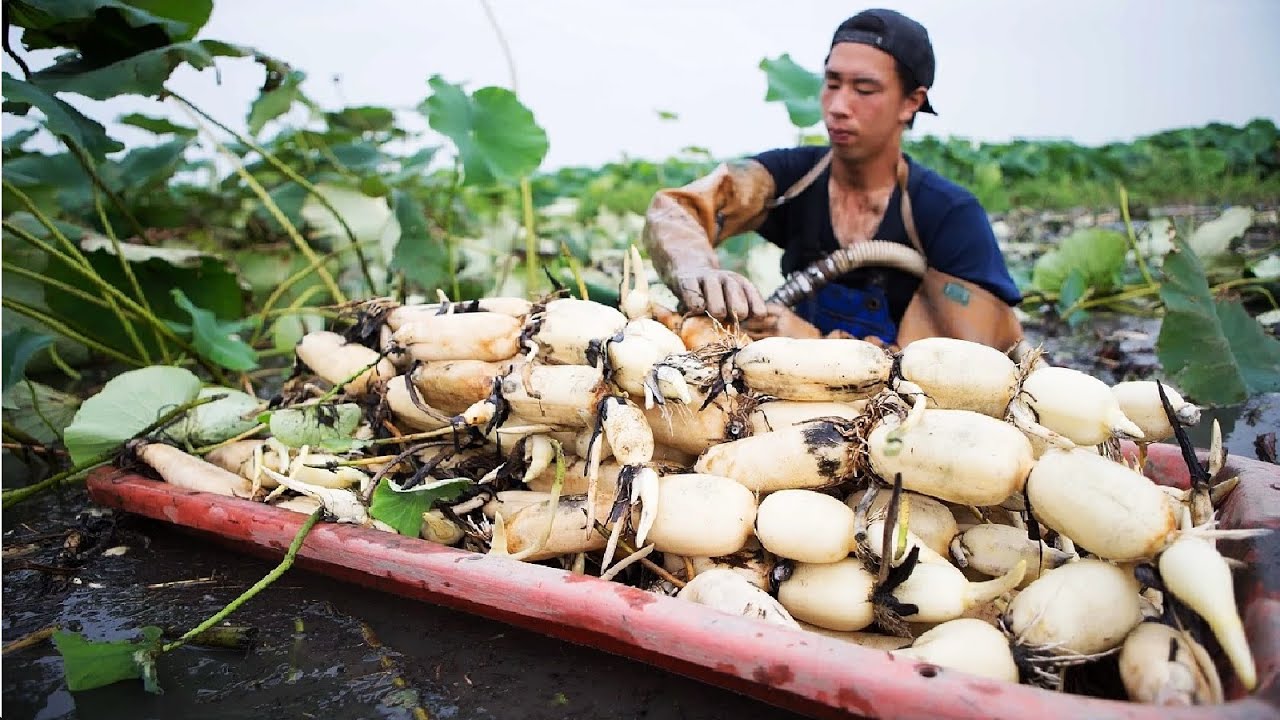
722	294
683	226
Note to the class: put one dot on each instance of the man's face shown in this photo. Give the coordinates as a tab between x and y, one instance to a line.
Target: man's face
862	101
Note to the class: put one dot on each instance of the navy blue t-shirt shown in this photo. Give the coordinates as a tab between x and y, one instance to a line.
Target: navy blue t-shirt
953	228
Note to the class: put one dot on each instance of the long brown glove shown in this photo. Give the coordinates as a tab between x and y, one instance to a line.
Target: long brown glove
684	225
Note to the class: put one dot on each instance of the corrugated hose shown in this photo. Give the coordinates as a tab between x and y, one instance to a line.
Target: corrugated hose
804	283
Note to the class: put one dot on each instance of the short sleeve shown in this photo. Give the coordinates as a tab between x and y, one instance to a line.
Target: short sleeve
965	246
786	166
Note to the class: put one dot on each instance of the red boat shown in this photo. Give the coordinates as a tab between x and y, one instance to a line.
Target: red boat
800	671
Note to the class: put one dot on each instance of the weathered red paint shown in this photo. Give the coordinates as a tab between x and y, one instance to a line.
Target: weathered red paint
805	672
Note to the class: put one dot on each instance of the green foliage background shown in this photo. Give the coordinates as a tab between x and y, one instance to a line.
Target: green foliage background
214	248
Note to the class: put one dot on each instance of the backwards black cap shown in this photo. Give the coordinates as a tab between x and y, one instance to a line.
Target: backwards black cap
900	36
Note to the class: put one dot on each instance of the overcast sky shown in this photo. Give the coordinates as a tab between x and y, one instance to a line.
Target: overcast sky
595	72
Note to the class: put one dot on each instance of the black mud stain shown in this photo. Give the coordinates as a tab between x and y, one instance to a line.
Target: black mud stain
822	435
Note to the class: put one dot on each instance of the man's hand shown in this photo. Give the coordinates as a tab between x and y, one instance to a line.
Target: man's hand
722	294
780	322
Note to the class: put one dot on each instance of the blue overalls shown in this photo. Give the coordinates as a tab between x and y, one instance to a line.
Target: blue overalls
859	312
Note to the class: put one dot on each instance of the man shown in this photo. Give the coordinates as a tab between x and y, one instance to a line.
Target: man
812	201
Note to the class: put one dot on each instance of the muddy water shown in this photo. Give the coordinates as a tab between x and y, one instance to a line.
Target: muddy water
1115	348
322	648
